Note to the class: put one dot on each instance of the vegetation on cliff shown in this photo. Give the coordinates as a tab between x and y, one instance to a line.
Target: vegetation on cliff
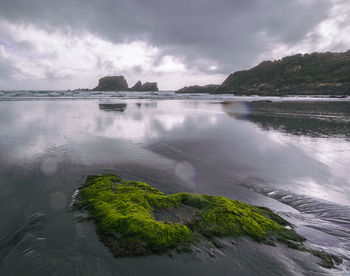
308	74
317	73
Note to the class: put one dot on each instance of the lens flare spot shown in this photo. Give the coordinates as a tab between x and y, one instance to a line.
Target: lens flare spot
185	171
237	109
49	166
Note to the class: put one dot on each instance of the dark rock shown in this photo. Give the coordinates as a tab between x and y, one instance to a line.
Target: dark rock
148	86
118	83
211	253
79	89
210	88
327	260
112	83
137	86
217	243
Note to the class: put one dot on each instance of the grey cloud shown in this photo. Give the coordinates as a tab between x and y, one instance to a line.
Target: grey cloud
6	69
224	31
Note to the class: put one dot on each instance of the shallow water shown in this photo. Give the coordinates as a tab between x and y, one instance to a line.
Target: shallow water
291	155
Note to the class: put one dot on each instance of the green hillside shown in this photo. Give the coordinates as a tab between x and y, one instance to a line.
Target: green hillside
317	73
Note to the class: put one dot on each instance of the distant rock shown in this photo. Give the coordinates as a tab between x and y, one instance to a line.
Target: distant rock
118	83
210	88
137	86
148	86
112	83
79	89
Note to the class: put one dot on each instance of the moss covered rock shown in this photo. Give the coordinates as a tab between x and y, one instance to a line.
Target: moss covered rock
133	218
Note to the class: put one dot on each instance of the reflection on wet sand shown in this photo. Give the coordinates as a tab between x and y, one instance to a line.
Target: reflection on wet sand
118	107
315	119
147	105
194	146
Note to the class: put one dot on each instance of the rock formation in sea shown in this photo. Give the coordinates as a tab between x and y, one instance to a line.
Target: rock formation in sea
137	86
112	83
147	86
210	88
118	83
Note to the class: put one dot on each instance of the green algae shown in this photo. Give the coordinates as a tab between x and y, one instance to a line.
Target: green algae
124	215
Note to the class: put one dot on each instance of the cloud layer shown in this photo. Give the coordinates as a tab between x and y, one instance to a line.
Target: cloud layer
65	44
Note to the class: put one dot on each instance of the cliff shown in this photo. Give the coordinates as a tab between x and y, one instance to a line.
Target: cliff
317	73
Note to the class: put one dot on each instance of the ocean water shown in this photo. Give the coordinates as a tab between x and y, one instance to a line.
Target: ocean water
291	154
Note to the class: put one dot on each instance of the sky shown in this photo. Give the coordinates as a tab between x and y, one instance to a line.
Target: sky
68	44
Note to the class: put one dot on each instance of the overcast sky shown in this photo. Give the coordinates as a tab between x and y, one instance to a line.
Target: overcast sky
62	44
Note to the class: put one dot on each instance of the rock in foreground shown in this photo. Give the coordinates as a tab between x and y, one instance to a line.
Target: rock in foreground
135	219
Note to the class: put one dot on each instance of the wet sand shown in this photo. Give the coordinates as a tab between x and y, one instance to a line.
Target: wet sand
47	147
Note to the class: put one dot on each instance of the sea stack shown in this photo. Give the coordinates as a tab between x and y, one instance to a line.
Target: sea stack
137	86
148	86
118	83
112	83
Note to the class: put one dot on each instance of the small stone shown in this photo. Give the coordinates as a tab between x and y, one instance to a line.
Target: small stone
211	254
327	259
217	243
